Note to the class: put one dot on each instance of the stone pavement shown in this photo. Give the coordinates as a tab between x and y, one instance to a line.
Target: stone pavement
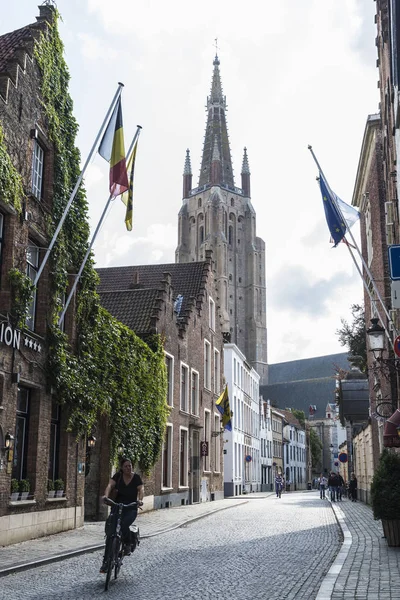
366	568
89	538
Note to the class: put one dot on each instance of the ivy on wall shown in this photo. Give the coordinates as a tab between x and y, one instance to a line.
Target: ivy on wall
11	187
110	370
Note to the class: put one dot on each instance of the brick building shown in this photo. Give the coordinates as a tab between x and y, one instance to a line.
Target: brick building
178	302
30	418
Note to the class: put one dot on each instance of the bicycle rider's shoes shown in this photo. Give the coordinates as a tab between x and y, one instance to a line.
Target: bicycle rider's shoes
127	550
104	567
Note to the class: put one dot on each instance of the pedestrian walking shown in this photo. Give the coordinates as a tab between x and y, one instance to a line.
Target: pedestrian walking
278	485
341	487
322	483
333	484
353	487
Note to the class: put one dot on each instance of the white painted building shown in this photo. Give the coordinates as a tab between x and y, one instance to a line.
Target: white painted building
266	447
295	456
242	464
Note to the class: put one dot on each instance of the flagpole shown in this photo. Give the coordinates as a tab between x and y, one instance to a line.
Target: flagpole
356	246
78	183
99	224
373	300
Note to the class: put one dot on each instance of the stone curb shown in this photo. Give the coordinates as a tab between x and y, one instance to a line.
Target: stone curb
327	586
86	549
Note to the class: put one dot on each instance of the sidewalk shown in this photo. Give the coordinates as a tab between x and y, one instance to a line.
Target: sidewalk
89	538
366	567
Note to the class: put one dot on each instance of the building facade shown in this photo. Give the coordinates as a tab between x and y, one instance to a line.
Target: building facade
32	423
295	459
266	445
177	301
219	216
242	470
277	423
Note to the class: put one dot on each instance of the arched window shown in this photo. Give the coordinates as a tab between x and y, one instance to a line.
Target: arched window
232	202
230	237
225	224
201	234
199	203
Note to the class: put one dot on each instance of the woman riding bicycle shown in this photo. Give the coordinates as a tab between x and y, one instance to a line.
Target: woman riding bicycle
129	488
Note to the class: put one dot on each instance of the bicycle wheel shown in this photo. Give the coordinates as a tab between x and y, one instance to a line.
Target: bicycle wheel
108	574
110	560
117	555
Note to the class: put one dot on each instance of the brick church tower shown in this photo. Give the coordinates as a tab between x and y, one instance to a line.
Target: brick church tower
219	216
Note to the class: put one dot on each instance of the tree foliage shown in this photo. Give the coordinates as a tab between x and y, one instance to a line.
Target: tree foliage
300	416
385	487
353	335
315	447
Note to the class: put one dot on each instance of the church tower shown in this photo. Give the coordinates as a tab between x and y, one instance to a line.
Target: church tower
219	216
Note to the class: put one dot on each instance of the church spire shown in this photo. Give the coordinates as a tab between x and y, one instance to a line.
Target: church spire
245	175
216	133
187	175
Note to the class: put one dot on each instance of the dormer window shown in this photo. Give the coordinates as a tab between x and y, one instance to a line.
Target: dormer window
37	170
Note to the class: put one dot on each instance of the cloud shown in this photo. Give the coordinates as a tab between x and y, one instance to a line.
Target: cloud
94	48
297	290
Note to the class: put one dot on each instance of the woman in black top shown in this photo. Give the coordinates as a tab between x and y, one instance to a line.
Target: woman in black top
129	488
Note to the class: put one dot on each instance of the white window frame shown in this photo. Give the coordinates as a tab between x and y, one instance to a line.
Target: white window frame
217	371
37	170
170	429
185	467
207	365
196	410
32	267
217	443
170	393
184	368
211	314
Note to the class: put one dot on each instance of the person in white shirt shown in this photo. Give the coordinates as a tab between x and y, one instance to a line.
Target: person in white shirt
322	482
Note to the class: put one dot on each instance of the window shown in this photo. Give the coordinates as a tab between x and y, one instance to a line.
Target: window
167	458
184	388
183	458
21	434
54	441
217	444
32	264
1	237
211	314
207	438
37	170
207	365
194	394
216	372
169	363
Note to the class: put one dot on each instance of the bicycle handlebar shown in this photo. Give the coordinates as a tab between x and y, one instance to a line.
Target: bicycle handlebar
112	503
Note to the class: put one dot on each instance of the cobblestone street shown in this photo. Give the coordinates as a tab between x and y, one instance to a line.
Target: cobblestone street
266	548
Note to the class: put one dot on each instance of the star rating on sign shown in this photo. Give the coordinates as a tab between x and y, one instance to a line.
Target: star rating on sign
32	344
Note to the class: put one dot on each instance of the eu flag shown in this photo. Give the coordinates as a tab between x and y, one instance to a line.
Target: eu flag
334	218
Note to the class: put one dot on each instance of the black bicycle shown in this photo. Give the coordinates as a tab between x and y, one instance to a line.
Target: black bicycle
114	545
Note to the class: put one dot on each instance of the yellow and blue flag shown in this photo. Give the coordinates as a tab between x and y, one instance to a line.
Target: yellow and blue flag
127	197
224	408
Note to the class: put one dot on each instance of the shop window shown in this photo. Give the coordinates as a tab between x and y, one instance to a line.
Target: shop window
21	434
54	441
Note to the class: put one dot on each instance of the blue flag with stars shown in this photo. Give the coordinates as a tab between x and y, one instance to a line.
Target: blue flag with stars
334	218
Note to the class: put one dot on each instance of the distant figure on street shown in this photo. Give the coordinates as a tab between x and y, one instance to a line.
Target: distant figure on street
341	487
278	485
333	483
353	487
322	482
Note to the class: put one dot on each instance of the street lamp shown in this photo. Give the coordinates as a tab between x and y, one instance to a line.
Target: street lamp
376	336
8	440
90	444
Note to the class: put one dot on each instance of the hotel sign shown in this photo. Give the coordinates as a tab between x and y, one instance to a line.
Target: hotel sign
12	337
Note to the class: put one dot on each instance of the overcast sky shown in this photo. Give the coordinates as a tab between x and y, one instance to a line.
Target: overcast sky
294	72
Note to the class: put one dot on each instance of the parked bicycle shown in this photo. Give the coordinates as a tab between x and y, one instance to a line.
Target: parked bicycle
114	552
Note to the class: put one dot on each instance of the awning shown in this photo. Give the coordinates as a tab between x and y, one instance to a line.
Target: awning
391	438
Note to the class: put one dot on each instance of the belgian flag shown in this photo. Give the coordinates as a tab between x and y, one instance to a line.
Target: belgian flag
112	149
